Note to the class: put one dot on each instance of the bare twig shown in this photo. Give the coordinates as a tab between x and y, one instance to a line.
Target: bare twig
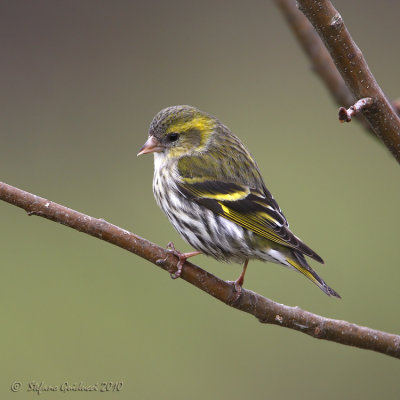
315	49
319	56
353	68
265	310
345	115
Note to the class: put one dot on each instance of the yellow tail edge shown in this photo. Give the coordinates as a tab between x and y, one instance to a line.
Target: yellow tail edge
313	277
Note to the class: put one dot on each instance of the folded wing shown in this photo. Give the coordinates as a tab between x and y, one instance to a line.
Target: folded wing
250	208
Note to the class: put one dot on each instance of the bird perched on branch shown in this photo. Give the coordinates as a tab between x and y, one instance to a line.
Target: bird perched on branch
211	190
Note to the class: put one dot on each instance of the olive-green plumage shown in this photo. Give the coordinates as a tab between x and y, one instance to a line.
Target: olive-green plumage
211	189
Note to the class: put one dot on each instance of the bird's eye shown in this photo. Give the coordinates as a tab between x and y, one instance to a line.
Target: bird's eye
173	137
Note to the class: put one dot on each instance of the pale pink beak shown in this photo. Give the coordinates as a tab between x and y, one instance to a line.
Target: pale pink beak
151	146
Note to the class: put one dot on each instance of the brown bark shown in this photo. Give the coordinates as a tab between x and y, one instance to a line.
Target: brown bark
265	310
342	67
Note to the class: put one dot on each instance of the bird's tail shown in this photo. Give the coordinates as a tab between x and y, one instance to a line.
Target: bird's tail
299	263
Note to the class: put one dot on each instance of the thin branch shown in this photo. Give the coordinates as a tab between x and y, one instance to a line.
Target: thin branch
265	310
346	115
315	49
354	70
319	56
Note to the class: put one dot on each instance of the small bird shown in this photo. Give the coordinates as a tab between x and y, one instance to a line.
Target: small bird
212	192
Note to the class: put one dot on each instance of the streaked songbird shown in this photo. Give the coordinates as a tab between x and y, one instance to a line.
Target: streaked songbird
212	192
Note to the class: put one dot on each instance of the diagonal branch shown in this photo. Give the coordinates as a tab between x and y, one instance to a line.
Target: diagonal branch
343	68
354	70
265	310
319	56
316	51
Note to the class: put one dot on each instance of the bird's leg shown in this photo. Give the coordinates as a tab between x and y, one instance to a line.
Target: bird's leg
182	258
239	281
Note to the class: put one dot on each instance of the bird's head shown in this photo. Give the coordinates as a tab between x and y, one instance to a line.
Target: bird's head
179	131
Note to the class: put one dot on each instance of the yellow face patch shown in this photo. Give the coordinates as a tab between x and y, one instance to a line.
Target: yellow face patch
201	123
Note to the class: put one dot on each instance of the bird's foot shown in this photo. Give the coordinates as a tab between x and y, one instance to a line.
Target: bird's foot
182	258
237	285
237	289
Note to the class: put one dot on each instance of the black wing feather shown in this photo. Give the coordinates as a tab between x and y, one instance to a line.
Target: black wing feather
248	208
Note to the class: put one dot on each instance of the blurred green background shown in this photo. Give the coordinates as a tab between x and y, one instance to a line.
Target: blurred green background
80	83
